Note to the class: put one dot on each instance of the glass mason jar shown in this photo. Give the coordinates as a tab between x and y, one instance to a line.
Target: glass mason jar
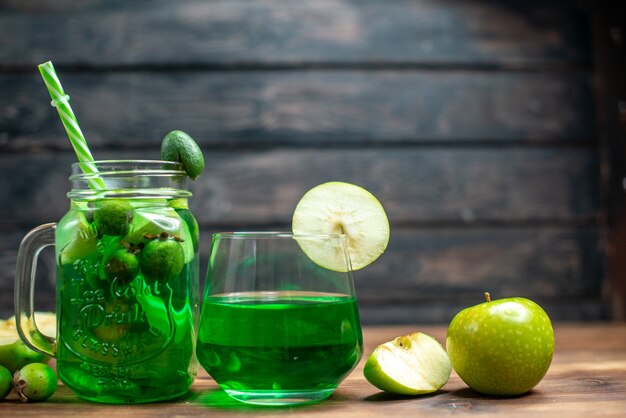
126	284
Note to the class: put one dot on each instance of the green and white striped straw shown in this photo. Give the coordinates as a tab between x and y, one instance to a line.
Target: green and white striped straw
60	100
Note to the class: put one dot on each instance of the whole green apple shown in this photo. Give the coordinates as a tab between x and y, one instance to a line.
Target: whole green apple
502	347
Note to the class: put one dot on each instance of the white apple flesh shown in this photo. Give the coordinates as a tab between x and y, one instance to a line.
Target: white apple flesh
341	208
413	364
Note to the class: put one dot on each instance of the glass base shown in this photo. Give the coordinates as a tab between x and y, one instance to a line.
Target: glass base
279	398
115	400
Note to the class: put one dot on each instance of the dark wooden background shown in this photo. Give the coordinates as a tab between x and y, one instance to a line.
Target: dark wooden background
476	123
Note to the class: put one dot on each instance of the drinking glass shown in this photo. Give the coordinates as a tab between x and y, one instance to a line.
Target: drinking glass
126	284
277	328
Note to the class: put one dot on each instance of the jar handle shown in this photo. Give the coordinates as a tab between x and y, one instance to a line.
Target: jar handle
30	247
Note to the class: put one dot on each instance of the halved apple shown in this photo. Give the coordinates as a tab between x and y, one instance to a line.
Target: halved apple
413	364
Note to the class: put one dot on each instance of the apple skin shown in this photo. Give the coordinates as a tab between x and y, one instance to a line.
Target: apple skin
413	364
16	355
502	347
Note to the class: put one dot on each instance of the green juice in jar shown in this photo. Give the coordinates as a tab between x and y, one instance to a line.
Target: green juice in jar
126	317
279	342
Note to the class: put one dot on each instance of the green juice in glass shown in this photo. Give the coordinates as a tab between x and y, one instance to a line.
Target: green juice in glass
127	320
281	342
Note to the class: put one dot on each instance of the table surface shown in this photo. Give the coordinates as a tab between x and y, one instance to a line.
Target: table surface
587	377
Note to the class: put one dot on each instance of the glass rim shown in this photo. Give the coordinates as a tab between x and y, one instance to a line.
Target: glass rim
274	234
128	160
127	178
164	166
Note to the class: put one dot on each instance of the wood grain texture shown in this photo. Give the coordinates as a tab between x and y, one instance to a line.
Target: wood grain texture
591	308
303	108
45	277
98	32
433	264
415	185
429	274
474	123
587	377
610	61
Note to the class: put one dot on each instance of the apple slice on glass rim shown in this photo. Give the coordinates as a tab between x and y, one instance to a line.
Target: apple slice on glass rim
341	208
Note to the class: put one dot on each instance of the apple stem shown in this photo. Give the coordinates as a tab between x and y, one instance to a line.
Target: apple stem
487	296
